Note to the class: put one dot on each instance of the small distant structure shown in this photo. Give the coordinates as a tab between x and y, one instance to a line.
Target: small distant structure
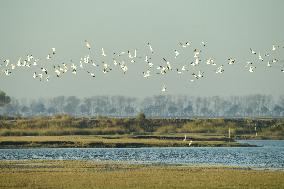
229	132
255	131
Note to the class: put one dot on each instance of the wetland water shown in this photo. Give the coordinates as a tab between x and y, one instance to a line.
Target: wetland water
269	154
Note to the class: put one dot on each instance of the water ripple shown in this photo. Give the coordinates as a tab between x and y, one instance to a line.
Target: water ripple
270	155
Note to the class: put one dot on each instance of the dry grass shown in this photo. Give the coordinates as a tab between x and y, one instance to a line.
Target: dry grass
88	174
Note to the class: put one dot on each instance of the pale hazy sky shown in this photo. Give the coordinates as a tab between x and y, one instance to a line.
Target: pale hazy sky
230	28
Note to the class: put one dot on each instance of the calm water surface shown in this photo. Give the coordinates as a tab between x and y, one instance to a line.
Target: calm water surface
269	155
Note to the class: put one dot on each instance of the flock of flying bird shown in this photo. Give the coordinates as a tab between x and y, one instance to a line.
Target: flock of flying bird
123	59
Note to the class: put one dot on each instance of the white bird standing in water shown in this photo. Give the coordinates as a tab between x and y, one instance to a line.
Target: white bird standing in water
190	142
184	138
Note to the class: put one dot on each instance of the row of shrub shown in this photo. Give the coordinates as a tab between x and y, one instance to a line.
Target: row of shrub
67	125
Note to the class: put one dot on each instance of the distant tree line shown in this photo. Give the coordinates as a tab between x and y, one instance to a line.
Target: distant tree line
155	106
4	99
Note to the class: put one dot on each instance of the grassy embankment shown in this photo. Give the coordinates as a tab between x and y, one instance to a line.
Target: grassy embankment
110	141
66	131
88	174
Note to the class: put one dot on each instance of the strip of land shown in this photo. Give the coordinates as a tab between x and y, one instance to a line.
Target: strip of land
119	141
65	131
107	175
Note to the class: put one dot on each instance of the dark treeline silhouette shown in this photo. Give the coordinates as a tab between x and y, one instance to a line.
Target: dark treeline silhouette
155	106
4	99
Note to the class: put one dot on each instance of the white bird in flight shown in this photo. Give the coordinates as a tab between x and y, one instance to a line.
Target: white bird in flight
196	53
150	47
53	51
164	88
274	47
231	61
259	57
35	75
44	70
220	70
146	74
87	44
103	52
210	61
248	63
251	68
29	61
252	51
182	45
176	53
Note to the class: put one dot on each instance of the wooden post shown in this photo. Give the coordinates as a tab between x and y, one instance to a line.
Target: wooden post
255	131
